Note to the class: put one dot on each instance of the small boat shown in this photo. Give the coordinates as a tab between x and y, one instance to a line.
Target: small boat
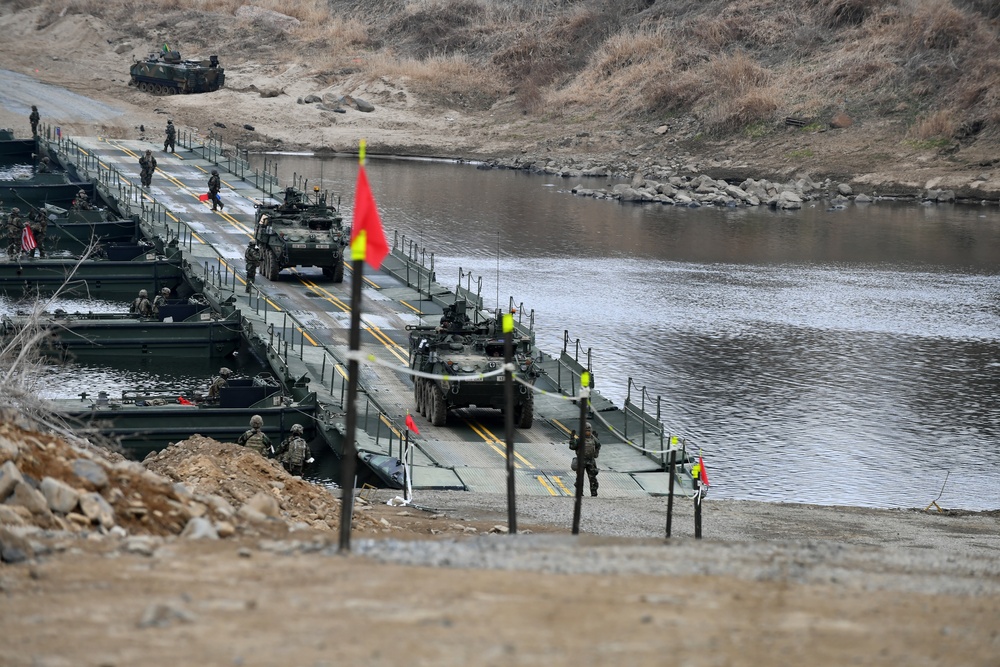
75	229
145	422
42	188
182	328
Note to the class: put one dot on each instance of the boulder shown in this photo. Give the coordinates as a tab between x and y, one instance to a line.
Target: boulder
788	200
96	508
13	547
946	196
264	503
863	199
91	472
199	528
312	99
268	17
29	498
9	449
60	496
9	478
845	190
841	120
10	516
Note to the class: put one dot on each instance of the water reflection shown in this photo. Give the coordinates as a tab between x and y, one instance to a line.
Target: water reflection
843	357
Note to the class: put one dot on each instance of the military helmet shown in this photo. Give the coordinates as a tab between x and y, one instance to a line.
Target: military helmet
586	426
165	291
215	172
225	371
170	122
149	151
296	429
257	421
142	292
15	210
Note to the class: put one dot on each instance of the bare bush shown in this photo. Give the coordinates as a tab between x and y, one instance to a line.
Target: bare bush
938	125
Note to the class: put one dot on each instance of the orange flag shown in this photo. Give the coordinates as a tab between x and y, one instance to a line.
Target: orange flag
703	473
203	197
412	425
367	238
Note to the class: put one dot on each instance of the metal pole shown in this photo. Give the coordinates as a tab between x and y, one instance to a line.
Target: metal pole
670	490
577	505
697	508
349	464
508	376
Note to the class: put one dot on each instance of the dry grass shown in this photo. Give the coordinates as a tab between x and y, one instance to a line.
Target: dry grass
722	62
938	125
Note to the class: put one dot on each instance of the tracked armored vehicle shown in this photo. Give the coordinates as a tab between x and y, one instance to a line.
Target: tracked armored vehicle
165	73
463	351
300	232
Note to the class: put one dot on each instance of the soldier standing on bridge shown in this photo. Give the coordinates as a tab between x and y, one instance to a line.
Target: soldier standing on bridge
587	455
33	118
253	258
214	185
171	132
148	164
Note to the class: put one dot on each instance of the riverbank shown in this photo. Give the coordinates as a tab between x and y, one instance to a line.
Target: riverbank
212	555
288	102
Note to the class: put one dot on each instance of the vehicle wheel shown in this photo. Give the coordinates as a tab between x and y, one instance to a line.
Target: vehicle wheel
524	414
439	415
418	394
143	86
272	266
338	272
171	90
425	399
327	271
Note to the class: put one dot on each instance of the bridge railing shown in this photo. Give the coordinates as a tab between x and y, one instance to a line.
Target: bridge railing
235	160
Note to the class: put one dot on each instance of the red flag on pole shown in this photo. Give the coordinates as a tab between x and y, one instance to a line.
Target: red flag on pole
28	240
367	238
703	473
412	425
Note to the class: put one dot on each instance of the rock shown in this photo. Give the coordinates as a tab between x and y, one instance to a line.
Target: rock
144	545
931	195
218	504
841	120
90	471
788	200
9	478
96	508
9	516
29	498
248	126
123	47
946	196
264	503
199	528
13	547
9	450
845	190
225	529
218	124
638	180
248	513
268	17
160	615
60	496
661	130
359	104
863	199
312	99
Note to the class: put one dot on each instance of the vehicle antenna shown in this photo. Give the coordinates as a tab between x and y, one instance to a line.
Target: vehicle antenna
498	271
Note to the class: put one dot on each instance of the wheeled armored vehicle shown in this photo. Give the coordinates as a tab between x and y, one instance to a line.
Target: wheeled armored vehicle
301	232
165	73
464	351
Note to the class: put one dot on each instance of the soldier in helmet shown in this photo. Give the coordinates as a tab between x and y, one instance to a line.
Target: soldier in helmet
168	142
33	118
14	233
293	453
160	300
218	383
44	166
147	164
82	202
587	450
39	228
252	257
214	185
255	438
141	305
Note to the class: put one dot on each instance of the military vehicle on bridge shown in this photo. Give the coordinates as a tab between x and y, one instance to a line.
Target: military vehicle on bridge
464	351
301	232
165	73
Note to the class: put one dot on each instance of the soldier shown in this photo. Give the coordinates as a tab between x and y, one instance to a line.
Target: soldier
294	451
39	227
44	166
148	164
14	231
252	257
220	381
214	185
171	133
33	118
255	438
82	202
160	300
141	305
588	456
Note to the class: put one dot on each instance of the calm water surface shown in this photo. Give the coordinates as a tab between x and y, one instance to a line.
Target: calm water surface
845	357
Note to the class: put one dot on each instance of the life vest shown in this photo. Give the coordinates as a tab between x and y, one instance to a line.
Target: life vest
256	441
298	452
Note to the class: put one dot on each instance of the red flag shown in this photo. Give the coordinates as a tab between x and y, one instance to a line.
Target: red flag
367	238
703	473
412	425
184	401
203	197
28	240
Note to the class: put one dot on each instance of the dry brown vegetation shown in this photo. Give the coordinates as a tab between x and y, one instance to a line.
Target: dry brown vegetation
729	66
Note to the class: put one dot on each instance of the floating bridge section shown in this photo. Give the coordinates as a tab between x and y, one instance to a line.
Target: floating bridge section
299	323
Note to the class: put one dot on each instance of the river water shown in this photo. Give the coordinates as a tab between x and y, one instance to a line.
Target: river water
846	357
835	357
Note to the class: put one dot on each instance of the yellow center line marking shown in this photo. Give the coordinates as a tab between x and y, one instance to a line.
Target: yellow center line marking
516	453
368	280
385	420
306	335
491	440
541	480
418	311
559	482
560	425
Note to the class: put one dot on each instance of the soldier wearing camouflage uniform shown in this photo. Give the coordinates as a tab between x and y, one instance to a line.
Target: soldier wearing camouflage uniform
148	165
587	455
141	305
33	118
220	381
252	257
82	202
294	451
255	438
160	300
39	227
171	133
214	185
14	228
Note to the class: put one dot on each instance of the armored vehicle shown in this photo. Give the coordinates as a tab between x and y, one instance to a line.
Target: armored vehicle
300	232
165	73
463	351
